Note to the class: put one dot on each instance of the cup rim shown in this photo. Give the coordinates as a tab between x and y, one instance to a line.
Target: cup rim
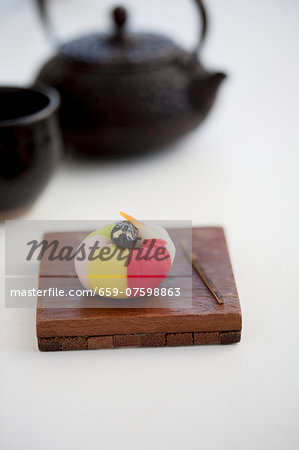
47	91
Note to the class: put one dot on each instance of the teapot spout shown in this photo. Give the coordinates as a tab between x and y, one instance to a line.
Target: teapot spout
203	90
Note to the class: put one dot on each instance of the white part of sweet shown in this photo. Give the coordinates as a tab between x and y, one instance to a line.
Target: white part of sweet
81	267
149	231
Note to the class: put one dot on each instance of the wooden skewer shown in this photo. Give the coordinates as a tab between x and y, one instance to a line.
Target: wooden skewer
195	263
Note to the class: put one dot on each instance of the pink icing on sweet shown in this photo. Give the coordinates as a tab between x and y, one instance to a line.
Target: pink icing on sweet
149	272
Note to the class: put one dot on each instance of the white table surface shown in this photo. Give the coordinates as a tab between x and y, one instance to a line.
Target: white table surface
239	170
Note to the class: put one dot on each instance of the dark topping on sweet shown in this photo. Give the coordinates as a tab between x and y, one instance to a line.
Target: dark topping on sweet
124	234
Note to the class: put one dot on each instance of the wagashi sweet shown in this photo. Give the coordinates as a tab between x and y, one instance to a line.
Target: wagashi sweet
125	258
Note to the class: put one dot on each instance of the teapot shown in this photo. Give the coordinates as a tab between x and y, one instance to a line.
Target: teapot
126	93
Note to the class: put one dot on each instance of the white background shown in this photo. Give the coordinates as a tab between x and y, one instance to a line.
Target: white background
239	170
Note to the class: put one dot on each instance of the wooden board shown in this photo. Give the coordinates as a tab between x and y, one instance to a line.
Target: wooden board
203	322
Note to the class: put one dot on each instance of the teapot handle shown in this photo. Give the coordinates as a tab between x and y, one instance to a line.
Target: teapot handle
46	22
42	9
203	27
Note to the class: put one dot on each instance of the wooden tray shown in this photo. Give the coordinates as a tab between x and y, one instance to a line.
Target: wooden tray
205	322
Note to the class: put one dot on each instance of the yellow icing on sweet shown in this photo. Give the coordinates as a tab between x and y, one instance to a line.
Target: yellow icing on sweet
110	273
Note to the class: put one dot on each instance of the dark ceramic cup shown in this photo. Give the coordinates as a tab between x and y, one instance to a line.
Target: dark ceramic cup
30	145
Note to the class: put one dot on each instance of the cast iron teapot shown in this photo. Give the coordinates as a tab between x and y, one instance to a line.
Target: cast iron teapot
125	93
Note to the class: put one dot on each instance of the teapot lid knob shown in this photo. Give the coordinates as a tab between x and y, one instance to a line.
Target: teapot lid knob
120	17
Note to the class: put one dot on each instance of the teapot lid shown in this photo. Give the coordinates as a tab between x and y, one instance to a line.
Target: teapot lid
121	50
